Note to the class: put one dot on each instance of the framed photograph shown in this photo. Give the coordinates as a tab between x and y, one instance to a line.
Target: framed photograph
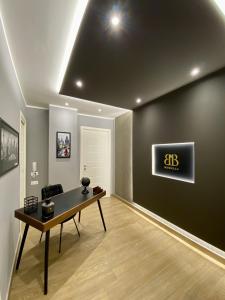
9	146
63	144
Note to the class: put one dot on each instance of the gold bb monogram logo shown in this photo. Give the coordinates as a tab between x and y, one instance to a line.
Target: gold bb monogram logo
171	160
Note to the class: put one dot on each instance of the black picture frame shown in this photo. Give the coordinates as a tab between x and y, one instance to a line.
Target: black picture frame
63	144
174	161
9	148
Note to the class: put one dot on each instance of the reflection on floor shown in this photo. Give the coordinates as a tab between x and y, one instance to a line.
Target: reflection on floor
133	260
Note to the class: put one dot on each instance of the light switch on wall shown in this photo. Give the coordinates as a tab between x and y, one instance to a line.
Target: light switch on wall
34	182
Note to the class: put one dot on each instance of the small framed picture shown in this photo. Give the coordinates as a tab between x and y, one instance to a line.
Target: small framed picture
9	146
63	144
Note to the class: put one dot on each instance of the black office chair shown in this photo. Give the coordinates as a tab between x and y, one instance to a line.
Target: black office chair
50	191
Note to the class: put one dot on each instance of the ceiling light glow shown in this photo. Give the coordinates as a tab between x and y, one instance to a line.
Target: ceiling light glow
99	110
79	83
78	16
138	100
221	5
67	104
115	21
195	72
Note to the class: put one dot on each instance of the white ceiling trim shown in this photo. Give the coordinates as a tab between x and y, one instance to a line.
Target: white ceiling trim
71	108
36	107
99	104
99	117
63	107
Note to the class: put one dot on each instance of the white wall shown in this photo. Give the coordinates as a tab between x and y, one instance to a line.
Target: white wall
64	171
10	104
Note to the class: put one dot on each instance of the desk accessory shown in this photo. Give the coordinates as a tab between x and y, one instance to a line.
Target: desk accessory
85	181
30	204
48	209
97	190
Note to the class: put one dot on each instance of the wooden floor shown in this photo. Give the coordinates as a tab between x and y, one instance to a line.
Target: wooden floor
133	260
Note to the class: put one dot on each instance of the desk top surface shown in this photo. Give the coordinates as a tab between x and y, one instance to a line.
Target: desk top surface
65	205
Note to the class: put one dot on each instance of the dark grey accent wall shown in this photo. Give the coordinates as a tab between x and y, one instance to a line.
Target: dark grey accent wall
123	156
193	113
37	148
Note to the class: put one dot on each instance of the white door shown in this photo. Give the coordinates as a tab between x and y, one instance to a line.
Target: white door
96	157
22	159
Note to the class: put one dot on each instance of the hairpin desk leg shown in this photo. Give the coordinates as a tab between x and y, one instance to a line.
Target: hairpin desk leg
21	246
100	209
46	262
79	216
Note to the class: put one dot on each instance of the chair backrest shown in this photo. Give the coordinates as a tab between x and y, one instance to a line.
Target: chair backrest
51	190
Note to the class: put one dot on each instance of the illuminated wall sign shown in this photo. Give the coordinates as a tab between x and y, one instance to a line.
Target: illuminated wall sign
175	161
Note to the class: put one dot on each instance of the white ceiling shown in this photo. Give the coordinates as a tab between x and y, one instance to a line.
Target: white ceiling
37	32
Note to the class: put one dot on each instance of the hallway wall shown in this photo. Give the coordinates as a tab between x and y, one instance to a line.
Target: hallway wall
11	102
194	113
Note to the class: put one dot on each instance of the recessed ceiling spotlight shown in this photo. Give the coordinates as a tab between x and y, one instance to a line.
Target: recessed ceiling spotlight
79	83
195	72
67	104
99	110
115	21
138	100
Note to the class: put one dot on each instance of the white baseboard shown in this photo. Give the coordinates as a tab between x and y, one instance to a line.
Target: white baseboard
214	250
12	267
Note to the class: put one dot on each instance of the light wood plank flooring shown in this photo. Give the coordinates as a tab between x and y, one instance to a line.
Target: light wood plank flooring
134	260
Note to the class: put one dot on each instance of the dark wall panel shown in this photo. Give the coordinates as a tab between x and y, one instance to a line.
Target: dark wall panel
193	113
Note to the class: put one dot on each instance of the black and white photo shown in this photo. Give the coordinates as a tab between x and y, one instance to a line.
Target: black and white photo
9	145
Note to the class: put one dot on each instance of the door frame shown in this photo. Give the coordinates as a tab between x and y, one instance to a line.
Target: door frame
109	165
23	159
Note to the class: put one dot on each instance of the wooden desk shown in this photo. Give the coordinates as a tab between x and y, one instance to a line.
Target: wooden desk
66	205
